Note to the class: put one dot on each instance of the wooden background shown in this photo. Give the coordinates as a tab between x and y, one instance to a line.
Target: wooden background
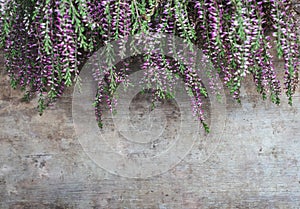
256	164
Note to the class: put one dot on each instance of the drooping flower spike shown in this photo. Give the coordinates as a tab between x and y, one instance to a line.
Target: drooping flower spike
46	42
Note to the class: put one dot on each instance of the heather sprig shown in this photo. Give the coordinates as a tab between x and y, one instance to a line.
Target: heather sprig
46	43
287	42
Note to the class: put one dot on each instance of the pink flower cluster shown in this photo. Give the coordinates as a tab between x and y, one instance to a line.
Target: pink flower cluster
46	43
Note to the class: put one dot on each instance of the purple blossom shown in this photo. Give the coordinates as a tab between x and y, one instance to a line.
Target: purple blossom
46	43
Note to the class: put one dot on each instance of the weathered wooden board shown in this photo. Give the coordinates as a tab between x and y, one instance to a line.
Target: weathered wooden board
256	163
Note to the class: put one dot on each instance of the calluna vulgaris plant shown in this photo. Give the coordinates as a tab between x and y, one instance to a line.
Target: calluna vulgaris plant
47	41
